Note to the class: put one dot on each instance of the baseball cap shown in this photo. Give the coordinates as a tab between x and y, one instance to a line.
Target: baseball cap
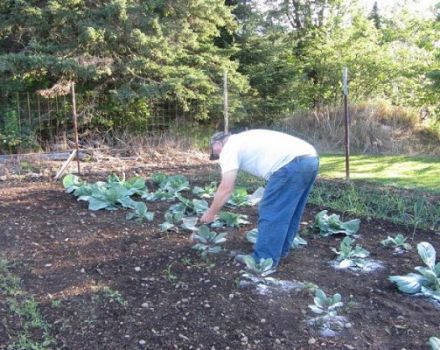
218	136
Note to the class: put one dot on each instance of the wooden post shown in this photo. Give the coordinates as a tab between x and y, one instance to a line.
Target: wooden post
347	123
75	126
29	111
225	101
39	115
18	113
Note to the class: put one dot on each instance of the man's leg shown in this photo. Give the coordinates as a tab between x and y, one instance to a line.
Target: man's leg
281	197
297	215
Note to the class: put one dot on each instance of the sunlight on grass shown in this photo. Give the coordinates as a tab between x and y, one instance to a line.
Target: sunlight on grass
401	171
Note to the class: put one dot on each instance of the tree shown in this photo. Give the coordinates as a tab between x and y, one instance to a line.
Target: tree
375	16
123	52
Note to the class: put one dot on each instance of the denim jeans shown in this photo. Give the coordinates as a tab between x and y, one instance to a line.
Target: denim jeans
282	207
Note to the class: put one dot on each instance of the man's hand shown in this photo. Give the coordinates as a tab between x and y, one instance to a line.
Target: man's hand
222	195
207	218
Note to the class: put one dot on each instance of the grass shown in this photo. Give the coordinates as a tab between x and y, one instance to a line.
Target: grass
407	172
24	323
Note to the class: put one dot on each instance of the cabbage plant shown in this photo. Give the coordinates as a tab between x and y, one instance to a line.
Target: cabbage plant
331	224
189	207
258	272
169	187
427	280
229	219
208	241
140	212
434	342
106	195
171	221
398	243
205	192
349	256
239	197
324	305
298	241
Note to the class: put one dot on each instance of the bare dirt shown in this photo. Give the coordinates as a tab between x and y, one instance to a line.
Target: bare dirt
177	300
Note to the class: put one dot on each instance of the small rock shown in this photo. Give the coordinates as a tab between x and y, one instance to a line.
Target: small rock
277	341
348	325
263	320
142	342
137	268
312	341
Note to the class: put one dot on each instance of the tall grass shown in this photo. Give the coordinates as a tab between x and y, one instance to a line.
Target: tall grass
375	127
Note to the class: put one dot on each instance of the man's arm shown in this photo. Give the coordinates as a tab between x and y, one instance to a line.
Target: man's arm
222	195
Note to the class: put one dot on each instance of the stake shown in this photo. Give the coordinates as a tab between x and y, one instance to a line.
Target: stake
75	126
225	99
347	124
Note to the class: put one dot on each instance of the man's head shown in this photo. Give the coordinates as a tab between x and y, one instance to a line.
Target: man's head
216	144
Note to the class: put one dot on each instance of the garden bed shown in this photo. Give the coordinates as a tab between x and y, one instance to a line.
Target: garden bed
106	283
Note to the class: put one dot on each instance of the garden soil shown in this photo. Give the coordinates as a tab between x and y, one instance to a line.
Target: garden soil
106	283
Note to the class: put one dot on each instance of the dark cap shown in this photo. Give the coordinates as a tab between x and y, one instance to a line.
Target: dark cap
218	136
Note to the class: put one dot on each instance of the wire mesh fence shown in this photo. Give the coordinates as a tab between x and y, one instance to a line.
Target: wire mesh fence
29	121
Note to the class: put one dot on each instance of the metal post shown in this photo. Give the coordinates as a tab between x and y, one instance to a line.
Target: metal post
75	126
225	99
347	124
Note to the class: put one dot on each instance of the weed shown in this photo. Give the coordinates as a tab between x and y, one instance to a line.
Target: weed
114	295
169	274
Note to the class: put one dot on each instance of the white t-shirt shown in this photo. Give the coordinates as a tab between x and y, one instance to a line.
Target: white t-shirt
261	152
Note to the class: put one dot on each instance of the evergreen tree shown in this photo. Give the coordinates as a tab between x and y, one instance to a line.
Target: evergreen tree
375	16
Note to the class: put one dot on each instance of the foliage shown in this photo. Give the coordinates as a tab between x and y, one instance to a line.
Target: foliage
239	197
171	220
327	317
332	224
427	280
140	212
169	187
298	241
209	241
349	256
189	207
398	242
124	53
324	305
205	192
258	272
434	342
229	219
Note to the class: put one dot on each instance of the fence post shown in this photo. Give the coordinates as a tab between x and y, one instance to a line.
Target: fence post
347	123
75	125
29	111
18	113
225	101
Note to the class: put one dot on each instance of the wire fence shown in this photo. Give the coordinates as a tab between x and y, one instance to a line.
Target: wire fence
31	122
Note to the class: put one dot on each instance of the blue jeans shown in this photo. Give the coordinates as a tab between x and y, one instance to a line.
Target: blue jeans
282	207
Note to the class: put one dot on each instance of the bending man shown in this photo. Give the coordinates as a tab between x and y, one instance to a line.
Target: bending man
289	165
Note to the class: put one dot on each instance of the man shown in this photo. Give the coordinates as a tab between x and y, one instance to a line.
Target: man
289	165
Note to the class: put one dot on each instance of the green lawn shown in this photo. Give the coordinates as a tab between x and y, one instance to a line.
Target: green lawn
411	172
